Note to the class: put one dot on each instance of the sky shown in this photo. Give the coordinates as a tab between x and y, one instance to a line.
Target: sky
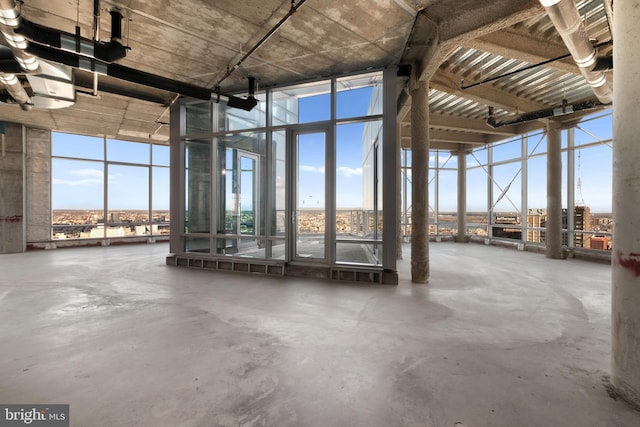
78	184
349	158
593	169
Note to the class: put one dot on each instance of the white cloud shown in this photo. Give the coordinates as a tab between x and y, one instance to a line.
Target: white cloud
306	168
96	173
348	172
78	182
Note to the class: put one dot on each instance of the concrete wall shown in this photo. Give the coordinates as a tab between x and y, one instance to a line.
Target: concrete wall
12	226
38	185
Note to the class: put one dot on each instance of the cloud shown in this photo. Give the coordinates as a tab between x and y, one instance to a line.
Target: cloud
306	168
78	182
95	173
82	178
348	172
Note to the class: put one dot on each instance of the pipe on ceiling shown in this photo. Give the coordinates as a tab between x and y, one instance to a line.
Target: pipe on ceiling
9	20
15	89
562	110
565	17
272	31
75	60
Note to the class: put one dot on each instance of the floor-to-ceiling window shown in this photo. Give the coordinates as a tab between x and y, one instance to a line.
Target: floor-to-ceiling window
105	188
507	187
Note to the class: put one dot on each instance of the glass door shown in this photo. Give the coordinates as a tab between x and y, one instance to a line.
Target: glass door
308	207
240	192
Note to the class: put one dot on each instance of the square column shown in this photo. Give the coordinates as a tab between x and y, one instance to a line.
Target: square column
12	160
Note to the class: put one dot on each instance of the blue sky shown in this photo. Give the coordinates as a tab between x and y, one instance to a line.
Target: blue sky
349	103
79	184
593	167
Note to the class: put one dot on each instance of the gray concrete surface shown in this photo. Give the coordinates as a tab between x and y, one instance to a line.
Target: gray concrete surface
497	338
626	208
12	213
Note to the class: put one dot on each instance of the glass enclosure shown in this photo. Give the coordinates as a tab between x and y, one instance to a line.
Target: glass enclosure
298	178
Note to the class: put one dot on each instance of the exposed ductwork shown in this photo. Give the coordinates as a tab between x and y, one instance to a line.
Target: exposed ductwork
13	86
9	20
122	72
565	17
51	84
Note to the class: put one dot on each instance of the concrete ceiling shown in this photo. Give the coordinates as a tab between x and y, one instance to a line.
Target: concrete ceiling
452	43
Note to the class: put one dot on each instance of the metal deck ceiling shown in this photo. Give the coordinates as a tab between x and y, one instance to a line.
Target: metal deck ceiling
195	41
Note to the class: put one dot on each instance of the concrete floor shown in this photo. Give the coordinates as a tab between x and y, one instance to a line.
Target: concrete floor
498	338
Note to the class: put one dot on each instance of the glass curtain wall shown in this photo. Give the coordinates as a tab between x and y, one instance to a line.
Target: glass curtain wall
107	188
500	174
243	187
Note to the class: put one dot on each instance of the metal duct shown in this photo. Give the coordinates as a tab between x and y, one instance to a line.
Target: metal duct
51	84
10	19
75	60
565	17
15	89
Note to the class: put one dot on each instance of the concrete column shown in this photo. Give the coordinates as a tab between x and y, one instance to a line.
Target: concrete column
12	221
625	316
554	193
420	180
462	196
38	186
399	211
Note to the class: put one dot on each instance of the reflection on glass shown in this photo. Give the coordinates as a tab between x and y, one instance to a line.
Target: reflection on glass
301	104
231	119
277	183
240	206
198	186
198	117
196	244
359	253
359	96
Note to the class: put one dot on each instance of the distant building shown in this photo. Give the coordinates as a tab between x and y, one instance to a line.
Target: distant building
507	232
581	222
536	218
602	243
